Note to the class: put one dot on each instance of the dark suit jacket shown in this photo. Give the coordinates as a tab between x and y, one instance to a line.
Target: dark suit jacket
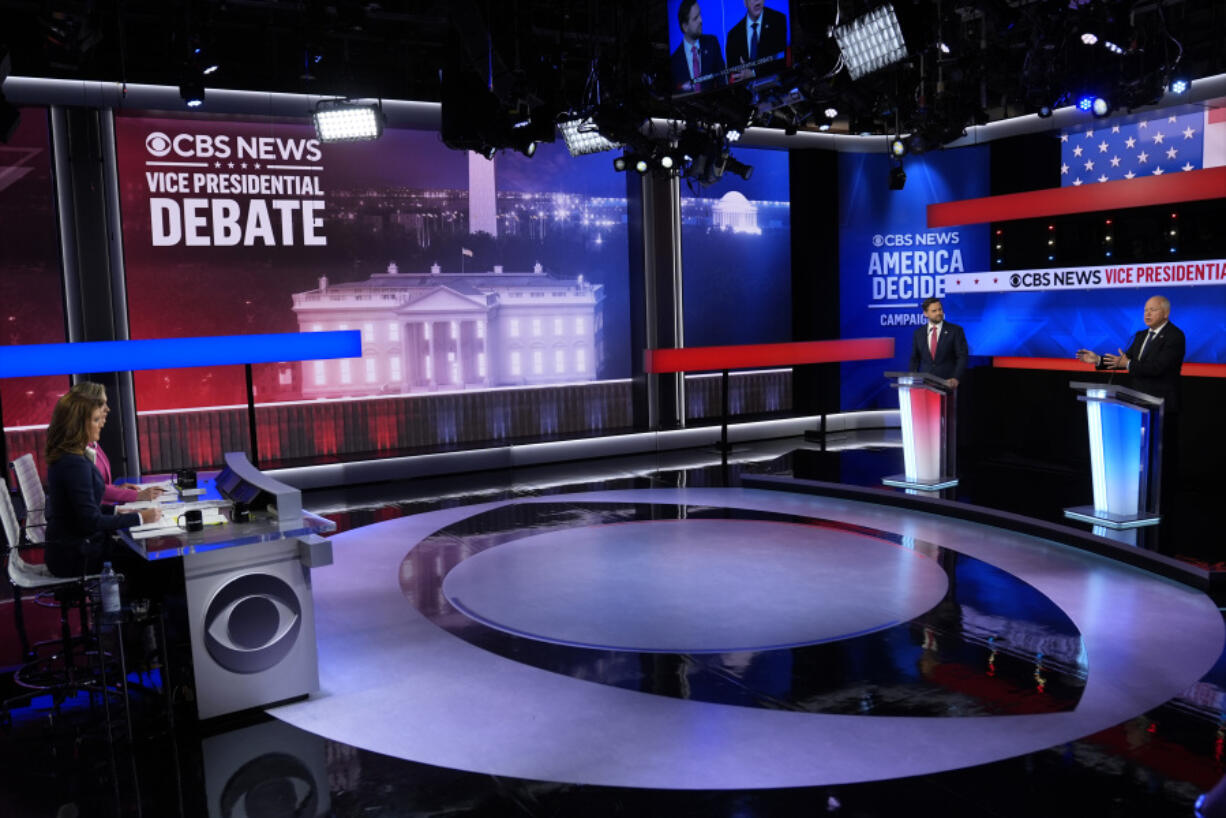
75	520
772	37
712	62
1157	372
952	352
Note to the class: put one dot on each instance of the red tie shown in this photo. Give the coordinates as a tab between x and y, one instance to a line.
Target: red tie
697	67
932	342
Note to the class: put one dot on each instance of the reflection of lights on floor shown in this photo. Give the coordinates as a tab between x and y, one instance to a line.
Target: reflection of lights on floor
599	239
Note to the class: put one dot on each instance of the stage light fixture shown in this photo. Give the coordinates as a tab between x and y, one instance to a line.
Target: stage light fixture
343	120
192	92
641	165
1085	103
1112	47
898	147
1101	107
831	112
872	41
582	137
1089	38
619	163
1180	85
825	126
1045	112
898	177
738	167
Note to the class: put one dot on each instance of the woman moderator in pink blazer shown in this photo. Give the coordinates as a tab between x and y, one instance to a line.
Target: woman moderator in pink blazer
112	495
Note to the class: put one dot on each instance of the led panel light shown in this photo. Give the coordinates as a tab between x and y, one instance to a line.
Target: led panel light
582	137
871	42
340	121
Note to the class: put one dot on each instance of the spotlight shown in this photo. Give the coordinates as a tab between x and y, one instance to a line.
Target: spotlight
1089	38
667	162
1085	103
825	126
1180	85
898	177
192	92
872	41
619	163
1101	107
1045	112
898	147
582	137
831	112
342	120
641	165
739	168
1112	47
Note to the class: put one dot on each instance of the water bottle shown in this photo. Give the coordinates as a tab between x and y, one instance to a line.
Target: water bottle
109	588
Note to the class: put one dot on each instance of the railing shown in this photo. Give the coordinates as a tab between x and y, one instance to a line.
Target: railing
332	430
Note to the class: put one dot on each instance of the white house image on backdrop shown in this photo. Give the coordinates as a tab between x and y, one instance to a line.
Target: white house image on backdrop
435	331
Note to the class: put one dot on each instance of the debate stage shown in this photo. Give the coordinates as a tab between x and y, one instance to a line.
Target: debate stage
689	640
657	635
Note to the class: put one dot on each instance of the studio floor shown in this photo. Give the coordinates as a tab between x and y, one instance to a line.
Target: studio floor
650	637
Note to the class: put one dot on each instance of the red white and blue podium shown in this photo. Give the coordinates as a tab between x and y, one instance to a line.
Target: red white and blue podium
1125	456
929	440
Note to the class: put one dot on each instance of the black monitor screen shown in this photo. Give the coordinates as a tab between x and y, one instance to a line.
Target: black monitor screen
233	487
718	43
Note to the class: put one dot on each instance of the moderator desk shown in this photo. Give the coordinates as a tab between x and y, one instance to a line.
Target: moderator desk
250	609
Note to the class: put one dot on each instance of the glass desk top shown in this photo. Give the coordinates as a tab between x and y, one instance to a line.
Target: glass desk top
263	527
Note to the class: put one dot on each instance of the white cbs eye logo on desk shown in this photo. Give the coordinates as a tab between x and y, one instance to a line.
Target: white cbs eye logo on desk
252	623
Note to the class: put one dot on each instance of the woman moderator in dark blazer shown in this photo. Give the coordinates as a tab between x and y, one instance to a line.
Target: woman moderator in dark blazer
77	524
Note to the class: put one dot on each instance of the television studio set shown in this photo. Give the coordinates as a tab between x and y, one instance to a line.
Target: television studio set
722	408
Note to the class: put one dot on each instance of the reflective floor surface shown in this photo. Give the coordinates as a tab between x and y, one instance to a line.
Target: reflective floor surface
645	637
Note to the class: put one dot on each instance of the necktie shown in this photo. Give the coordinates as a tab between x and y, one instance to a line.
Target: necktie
696	66
1148	337
753	43
932	342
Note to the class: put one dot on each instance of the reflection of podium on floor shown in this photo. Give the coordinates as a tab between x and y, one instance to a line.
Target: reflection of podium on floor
1125	456
929	439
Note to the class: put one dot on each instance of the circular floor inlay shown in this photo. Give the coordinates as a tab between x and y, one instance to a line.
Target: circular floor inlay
694	586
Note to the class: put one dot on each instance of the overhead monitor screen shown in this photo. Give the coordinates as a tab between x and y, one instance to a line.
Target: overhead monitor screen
720	43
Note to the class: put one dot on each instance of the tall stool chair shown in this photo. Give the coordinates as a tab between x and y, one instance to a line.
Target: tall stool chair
26	472
58	673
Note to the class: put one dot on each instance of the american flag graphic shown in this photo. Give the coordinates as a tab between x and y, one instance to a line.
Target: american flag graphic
1150	144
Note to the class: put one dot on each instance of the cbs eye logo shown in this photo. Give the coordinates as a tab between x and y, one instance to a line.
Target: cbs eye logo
1015	280
252	623
273	784
157	143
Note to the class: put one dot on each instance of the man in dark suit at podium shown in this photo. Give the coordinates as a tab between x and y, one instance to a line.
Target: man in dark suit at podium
1154	359
939	347
762	32
698	55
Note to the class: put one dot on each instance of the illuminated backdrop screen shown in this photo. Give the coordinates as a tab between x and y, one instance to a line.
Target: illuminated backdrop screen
890	261
461	273
736	255
31	290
